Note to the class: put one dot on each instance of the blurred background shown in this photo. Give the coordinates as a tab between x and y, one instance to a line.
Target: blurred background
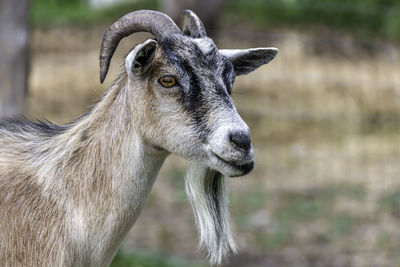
324	119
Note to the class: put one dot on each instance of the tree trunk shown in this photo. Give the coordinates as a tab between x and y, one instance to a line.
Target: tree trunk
13	56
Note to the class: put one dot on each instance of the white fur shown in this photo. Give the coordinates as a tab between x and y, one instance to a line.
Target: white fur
210	207
236	53
205	44
224	122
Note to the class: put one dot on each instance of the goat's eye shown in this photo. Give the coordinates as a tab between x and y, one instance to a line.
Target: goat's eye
167	81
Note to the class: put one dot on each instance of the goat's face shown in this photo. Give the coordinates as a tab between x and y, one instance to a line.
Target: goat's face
188	108
180	87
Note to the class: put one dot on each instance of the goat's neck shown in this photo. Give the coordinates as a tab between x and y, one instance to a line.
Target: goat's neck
111	170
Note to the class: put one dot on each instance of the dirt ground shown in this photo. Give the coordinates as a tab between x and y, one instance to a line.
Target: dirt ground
325	120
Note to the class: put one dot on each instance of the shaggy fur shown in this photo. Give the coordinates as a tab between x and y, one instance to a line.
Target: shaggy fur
68	195
207	192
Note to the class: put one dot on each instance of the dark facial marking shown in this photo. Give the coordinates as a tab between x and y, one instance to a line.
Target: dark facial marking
193	102
223	94
191	99
228	76
203	91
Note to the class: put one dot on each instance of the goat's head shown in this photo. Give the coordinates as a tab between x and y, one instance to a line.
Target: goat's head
180	85
186	84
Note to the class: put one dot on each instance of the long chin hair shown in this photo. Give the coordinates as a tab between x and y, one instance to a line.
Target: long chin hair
207	192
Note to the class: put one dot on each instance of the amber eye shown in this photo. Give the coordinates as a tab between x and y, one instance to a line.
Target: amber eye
168	81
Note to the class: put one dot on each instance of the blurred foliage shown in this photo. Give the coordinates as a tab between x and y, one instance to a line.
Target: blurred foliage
148	259
59	12
364	18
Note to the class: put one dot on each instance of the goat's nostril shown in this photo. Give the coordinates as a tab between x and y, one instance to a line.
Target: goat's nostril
241	140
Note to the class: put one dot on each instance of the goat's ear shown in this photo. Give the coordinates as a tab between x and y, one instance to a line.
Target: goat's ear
246	60
140	58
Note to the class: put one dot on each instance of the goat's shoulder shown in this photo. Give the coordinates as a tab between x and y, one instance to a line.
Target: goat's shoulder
21	138
23	126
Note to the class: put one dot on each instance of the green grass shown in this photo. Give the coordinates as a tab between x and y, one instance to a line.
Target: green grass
176	177
246	203
342	224
301	208
390	202
313	204
279	234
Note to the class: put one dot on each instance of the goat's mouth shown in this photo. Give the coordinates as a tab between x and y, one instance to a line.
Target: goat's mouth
239	168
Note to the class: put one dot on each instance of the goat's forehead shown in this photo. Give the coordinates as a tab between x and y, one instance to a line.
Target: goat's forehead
206	45
197	51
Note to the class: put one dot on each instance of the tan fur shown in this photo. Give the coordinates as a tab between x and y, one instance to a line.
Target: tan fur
72	202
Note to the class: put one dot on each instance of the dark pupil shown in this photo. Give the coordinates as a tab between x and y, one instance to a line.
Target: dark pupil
168	81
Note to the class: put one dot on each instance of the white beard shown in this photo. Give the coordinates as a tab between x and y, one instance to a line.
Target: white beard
207	192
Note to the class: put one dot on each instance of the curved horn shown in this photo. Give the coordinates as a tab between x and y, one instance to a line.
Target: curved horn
191	25
156	23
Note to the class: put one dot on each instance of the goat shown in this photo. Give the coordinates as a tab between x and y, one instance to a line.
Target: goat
69	194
